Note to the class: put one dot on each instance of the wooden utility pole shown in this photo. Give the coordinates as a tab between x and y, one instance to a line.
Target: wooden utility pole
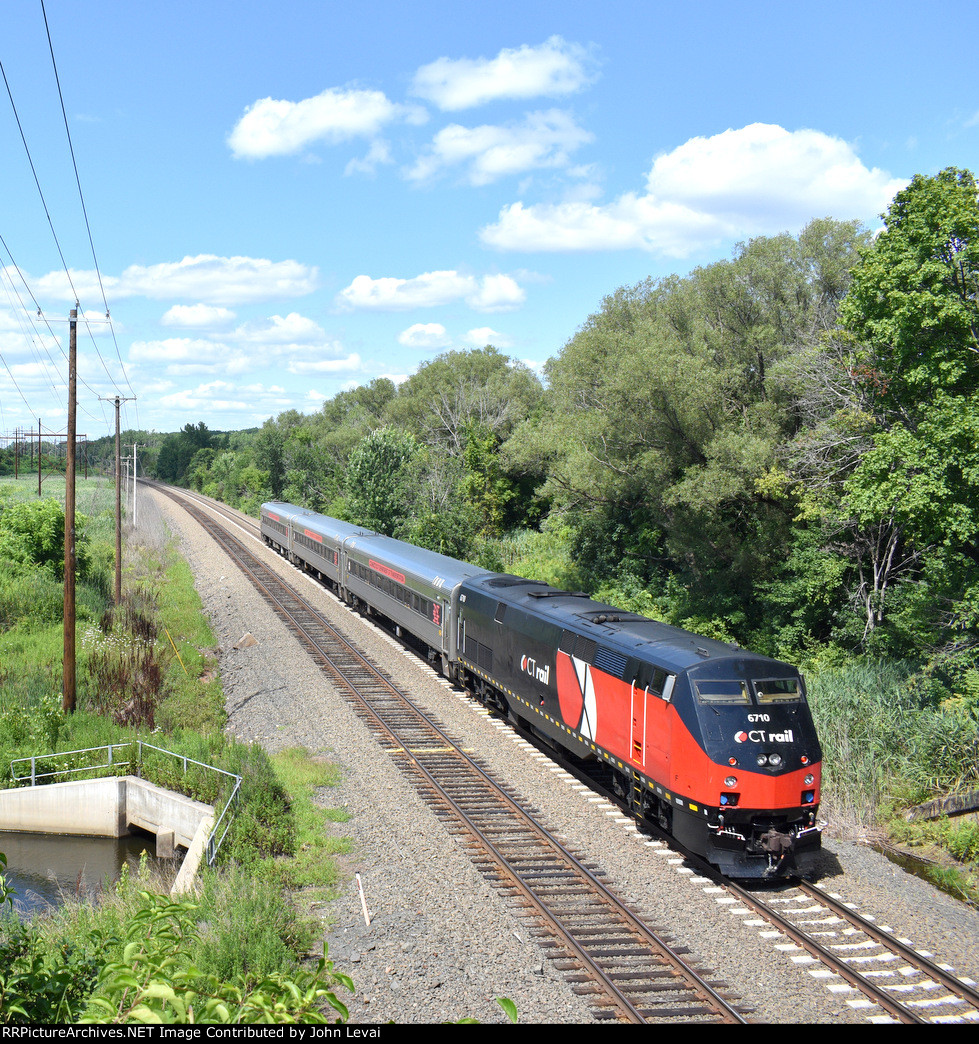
119	400
134	485
68	685
118	592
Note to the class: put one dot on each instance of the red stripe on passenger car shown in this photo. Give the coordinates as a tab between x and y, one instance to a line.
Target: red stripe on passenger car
379	567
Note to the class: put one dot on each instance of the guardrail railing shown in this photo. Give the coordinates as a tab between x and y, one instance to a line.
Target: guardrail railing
221	825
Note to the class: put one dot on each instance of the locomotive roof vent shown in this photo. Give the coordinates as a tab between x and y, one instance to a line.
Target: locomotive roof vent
610	618
512	581
553	592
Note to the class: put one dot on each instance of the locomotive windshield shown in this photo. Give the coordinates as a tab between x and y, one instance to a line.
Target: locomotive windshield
778	690
722	690
737	690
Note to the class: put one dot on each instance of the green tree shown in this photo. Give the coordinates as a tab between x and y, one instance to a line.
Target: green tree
456	389
914	301
379	489
890	448
177	453
270	456
665	415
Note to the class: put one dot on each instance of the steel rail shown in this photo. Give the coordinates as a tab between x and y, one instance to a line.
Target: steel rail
686	978
824	956
878	994
890	942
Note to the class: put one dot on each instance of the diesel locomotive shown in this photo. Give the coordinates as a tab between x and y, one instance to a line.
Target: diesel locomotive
714	743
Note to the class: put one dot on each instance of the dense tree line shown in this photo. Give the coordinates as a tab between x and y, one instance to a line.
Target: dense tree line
781	448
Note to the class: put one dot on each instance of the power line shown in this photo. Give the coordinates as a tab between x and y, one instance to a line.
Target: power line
74	164
40	191
40	339
81	198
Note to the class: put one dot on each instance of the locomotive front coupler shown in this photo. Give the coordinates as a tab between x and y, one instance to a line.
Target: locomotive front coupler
778	846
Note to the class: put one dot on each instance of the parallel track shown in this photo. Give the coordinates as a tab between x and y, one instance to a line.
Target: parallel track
625	969
888	978
898	983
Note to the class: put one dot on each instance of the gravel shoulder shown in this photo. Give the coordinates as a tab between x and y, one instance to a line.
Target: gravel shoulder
441	944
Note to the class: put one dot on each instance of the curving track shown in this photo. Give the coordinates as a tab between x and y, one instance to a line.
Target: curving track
627	971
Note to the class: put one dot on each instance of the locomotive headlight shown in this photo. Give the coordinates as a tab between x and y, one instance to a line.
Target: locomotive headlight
761	760
809	780
731	781
775	760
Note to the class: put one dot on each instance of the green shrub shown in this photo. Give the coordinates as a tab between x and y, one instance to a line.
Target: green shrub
34	532
27	592
248	929
962	840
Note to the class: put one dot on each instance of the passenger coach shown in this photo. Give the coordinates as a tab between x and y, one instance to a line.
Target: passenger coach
714	742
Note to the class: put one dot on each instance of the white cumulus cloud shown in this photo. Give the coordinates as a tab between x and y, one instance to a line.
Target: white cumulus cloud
425	336
543	139
280	330
197	316
552	69
388	293
483	335
274	127
341	364
220	396
759	180
180	356
379	152
205	278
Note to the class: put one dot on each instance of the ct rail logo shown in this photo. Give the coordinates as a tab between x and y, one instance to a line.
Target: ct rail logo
761	736
529	666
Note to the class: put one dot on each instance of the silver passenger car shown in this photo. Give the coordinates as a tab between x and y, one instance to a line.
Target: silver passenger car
418	590
309	538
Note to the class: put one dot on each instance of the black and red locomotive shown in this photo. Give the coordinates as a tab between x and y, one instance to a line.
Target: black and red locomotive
713	742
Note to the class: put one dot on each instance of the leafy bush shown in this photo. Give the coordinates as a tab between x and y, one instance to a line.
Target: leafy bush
36	727
963	841
247	928
28	593
34	532
134	965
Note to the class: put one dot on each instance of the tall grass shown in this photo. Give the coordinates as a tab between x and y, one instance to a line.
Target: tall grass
147	662
885	740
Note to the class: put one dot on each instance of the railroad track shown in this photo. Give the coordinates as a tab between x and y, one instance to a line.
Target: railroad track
233	515
895	982
878	973
625	969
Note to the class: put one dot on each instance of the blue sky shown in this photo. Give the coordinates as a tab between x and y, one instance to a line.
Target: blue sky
290	200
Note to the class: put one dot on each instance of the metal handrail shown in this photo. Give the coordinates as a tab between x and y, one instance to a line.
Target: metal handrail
213	841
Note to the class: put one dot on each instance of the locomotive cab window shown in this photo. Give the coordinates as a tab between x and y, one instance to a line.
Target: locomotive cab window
719	690
652	679
778	690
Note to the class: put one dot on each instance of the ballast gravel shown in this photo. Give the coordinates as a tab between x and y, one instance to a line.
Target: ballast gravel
423	936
